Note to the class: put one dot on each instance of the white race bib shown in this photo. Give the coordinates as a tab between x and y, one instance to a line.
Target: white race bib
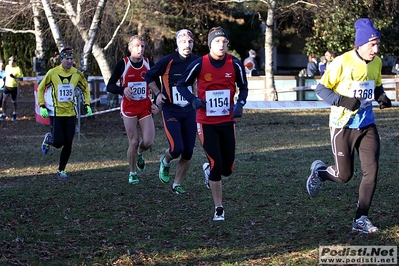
139	90
364	91
65	92
217	102
177	98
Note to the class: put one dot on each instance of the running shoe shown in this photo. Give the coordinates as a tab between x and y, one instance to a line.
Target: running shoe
140	162
133	179
45	145
2	117
164	172
219	214
179	190
206	169
314	183
363	225
14	117
62	174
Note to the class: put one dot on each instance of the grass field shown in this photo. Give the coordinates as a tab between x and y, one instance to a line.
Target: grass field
96	218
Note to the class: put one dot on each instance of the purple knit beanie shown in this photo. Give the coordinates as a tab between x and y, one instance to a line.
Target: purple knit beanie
365	32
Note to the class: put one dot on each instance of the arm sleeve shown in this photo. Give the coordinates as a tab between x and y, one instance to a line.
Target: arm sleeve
86	90
116	74
155	72
241	80
41	88
327	95
188	78
378	91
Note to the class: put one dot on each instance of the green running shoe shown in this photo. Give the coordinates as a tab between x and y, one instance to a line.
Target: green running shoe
140	162
164	172
133	179
179	190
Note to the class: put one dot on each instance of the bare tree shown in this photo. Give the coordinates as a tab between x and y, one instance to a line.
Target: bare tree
269	75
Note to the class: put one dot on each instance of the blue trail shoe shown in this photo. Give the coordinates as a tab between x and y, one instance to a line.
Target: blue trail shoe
45	143
62	174
314	183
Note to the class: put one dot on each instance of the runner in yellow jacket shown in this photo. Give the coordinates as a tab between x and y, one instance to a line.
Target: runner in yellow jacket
60	84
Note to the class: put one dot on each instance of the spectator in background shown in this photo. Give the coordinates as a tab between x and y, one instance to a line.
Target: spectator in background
250	70
251	58
330	55
312	68
322	65
13	74
2	78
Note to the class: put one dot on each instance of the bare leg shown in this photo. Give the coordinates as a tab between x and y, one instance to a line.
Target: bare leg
217	192
181	170
133	137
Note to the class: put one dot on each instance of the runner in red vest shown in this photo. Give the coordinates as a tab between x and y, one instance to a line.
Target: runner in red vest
218	74
136	106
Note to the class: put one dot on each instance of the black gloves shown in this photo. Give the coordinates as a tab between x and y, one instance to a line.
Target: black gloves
12	75
237	110
198	103
349	103
384	101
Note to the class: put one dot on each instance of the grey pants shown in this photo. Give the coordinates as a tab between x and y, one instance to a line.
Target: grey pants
366	142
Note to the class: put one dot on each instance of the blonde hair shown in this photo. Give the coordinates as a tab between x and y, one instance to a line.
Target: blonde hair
136	37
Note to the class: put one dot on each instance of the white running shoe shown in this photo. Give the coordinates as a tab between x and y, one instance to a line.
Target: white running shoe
364	226
219	214
206	169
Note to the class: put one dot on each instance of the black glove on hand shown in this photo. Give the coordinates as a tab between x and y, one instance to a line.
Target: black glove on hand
12	75
384	101
349	103
198	103
237	110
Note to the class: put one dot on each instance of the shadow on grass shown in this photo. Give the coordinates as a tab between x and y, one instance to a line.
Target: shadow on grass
96	218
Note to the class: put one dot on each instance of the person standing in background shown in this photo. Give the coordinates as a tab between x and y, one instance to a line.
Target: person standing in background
13	74
251	59
218	75
350	84
312	68
330	55
136	107
322	65
62	81
177	114
2	79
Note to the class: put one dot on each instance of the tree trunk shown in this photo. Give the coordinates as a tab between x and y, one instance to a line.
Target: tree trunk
92	36
39	63
59	41
270	86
